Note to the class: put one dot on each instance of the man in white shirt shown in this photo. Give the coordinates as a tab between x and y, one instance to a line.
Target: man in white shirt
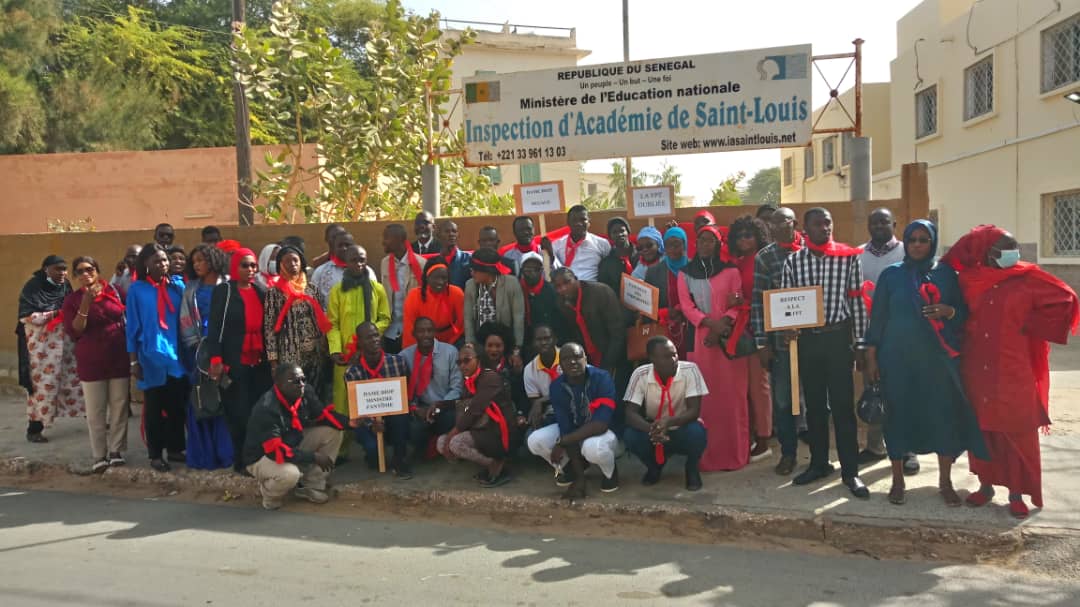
581	250
663	401
538	375
400	272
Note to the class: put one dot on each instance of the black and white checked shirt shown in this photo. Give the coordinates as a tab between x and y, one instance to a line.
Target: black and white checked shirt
841	281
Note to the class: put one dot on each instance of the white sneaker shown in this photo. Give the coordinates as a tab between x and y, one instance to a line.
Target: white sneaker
312	495
269	504
761	456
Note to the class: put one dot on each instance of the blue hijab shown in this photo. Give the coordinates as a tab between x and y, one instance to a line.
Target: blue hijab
677	264
921	268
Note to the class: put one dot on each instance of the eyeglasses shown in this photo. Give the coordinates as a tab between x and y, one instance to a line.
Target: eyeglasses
249	266
466	360
84	270
919	240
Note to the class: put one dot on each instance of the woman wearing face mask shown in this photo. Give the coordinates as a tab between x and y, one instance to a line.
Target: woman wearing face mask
1015	310
47	367
268	274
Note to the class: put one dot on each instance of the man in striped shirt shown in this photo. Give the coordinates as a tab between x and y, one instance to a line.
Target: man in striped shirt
827	354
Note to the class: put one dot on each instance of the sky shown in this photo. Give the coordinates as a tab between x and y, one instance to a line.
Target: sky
671	28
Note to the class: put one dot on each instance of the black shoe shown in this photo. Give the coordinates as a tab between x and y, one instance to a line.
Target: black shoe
503	478
693	479
857	487
36	437
610	485
786	465
867	456
564	479
179	458
160	465
812	474
652	476
911	465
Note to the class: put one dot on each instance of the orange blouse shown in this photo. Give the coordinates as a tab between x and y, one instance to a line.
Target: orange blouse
448	313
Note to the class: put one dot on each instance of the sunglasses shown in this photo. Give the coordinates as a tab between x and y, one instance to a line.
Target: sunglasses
249	266
84	270
919	240
466	360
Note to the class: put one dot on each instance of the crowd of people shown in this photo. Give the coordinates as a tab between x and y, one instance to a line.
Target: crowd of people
243	359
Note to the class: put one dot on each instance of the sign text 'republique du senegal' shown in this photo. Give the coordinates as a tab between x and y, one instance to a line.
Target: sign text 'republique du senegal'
684	105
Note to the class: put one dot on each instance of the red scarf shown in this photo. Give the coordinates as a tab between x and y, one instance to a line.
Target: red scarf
931	295
55	321
293	409
833	248
532	247
665	394
641	261
495	413
794	246
423	368
553	370
349	351
109	292
291	297
530	292
414	265
337	262
251	352
377	371
572	247
470	381
449	257
163	300
590	347
498	266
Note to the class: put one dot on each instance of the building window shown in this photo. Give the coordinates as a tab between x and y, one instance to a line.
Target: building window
492	173
592	189
926	112
808	161
788	162
828	154
845	147
530	173
1061	224
979	88
1061	54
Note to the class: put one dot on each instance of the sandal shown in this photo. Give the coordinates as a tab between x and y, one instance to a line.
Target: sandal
100	466
36	437
160	465
1018	509
500	480
952	500
897	495
978	498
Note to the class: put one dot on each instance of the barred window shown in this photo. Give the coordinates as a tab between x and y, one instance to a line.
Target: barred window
787	169
808	161
1061	54
926	112
1061	224
845	147
492	173
828	154
979	88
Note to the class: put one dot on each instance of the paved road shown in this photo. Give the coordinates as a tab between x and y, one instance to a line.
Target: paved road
73	549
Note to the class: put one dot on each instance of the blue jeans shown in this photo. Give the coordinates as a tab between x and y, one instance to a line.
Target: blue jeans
396	436
689	440
783	420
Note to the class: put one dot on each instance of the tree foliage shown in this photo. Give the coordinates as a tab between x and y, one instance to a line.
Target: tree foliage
763	187
727	193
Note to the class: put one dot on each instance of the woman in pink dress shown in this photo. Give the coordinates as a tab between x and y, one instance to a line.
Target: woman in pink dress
707	287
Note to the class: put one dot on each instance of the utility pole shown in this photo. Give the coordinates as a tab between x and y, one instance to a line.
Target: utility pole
626	59
245	211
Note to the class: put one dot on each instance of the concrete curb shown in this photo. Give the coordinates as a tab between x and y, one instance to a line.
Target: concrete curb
873	537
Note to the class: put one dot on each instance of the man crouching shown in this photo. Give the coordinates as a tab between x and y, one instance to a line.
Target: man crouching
290	428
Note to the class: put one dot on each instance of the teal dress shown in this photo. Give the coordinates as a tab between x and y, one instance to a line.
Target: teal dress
926	408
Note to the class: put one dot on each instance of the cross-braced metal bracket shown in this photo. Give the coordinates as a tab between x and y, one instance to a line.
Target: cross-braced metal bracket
855	61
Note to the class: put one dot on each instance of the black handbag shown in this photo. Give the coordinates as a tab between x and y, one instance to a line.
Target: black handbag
206	393
744	347
871	407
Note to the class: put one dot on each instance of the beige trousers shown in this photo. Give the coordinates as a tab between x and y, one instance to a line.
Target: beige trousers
275	480
107	414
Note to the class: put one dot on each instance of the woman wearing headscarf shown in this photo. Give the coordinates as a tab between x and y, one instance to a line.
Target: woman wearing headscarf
706	289
623	257
438	300
209	446
746	236
650	248
913	349
94	319
665	277
294	324
47	366
1015	310
153	345
268	274
235	347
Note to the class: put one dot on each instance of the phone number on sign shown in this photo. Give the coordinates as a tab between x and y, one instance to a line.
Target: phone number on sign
537	153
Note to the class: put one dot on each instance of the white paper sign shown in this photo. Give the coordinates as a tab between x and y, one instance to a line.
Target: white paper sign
652	201
539	198
742	100
797	308
376	397
639	296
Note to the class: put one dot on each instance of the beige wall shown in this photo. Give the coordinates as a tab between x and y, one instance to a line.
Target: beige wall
122	190
997	167
834	185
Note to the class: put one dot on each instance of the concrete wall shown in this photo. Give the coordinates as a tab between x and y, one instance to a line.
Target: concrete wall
834	184
123	190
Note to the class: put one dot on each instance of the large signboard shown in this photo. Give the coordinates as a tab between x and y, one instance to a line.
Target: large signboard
683	105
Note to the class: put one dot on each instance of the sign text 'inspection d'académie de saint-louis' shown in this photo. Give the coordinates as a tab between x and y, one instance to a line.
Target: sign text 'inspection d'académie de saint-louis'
684	105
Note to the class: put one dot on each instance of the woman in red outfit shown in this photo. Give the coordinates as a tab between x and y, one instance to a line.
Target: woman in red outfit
1016	308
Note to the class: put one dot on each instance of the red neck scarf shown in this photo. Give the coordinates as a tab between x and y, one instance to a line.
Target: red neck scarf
745	264
251	352
470	381
495	413
794	246
377	371
108	292
293	409
931	295
530	292
833	248
337	262
553	370
665	396
449	257
590	347
423	368
532	247
163	300
572	247
292	296
414	265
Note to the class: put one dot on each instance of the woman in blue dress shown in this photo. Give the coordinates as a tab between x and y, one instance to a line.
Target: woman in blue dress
209	444
913	343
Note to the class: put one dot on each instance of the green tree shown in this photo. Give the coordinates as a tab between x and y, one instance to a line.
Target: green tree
372	140
763	187
728	191
26	27
669	175
617	181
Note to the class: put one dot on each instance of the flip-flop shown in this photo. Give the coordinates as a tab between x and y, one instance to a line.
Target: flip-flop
500	480
951	503
895	499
